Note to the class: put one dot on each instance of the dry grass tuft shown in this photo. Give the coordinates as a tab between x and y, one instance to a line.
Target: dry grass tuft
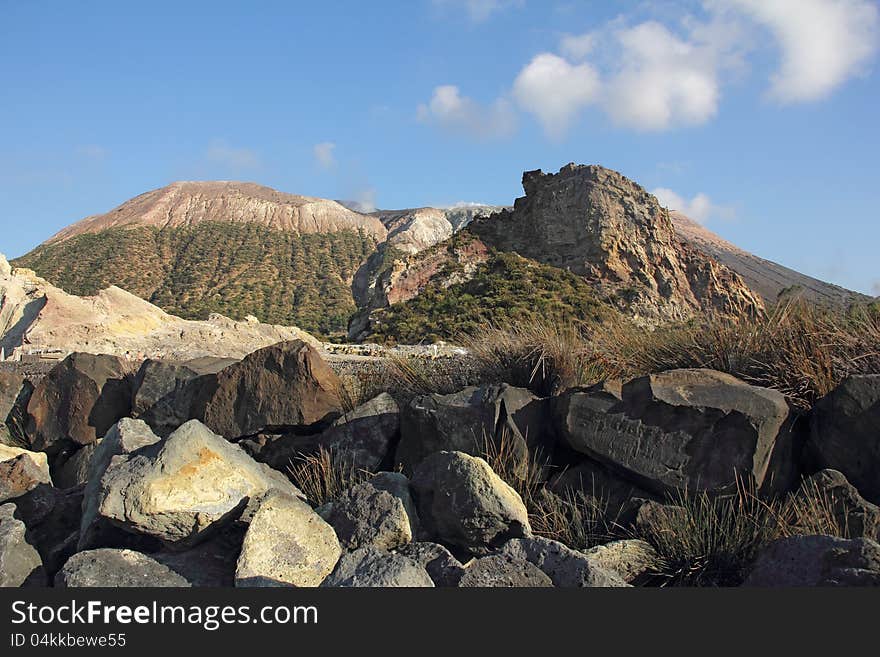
323	476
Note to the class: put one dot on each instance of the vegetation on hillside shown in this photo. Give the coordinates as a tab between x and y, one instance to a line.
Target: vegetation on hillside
216	267
505	289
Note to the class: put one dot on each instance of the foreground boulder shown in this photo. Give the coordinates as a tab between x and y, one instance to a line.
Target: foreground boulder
502	570
363	437
817	561
20	563
370	567
564	566
285	385
77	402
287	544
21	471
52	517
125	437
180	488
691	430
444	569
108	567
844	434
468	420
852	513
366	516
464	503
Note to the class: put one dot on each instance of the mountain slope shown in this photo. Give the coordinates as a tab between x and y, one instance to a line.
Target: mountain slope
190	203
765	277
236	249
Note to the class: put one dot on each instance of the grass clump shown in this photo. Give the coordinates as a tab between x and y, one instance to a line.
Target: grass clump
323	476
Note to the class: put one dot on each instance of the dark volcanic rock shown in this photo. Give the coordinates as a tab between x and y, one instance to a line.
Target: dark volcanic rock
852	512
444	569
844	434
20	563
285	385
363	437
52	517
682	430
108	567
75	470
369	567
464	503
817	561
78	401
564	566
601	225
15	392
468	420
503	570
365	516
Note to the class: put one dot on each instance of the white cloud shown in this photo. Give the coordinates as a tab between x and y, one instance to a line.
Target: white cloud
700	208
479	11
220	152
823	42
577	47
662	80
364	200
555	91
449	109
323	153
875	288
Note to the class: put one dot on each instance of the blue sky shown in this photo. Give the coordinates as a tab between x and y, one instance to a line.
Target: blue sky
757	116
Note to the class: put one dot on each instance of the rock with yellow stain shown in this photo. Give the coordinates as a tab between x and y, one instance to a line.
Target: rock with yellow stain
180	489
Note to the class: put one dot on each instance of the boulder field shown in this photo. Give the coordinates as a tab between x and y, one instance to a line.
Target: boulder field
179	474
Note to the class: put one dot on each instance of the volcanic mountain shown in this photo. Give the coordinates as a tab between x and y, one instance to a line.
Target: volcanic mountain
237	249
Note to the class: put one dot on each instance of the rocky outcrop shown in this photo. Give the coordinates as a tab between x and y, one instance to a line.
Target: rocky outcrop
601	225
844	435
464	503
412	231
682	430
39	318
184	487
817	561
287	544
187	203
116	568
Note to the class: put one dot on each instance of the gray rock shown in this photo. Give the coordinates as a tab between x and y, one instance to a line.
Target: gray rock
817	561
124	437
398	485
287	544
565	567
682	430
464	503
467	420
155	380
365	516
503	570
445	570
632	559
211	563
607	488
853	513
75	470
179	489
20	563
844	436
20	474
15	392
78	401
363	437
109	567
52	517
369	567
